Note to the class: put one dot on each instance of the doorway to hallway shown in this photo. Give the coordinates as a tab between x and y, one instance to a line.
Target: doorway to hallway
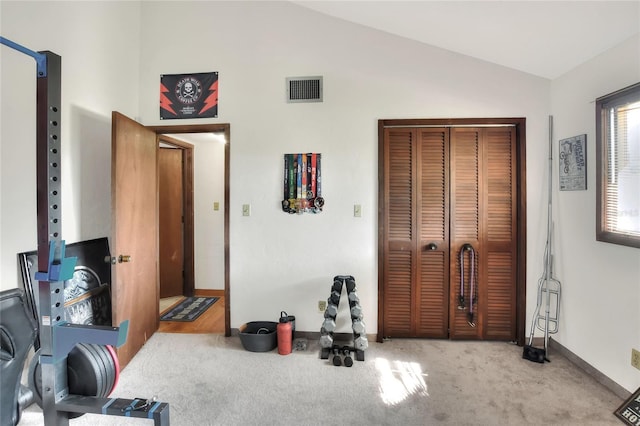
184	133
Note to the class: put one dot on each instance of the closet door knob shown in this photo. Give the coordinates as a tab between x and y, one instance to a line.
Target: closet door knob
432	246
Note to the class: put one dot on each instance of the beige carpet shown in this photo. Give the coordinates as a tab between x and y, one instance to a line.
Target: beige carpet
212	380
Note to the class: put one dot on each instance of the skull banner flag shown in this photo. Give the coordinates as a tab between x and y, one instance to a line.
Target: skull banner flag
189	95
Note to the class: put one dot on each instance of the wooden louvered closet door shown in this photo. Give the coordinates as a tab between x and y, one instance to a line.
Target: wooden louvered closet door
443	188
417	253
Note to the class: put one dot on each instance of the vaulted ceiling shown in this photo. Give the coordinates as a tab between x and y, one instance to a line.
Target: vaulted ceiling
544	38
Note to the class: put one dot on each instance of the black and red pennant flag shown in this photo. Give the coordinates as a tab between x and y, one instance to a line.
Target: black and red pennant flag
189	95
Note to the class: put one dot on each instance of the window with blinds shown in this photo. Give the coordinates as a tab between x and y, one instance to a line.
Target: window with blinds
618	167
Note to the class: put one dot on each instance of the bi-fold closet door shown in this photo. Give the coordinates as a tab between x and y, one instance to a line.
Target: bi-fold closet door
444	188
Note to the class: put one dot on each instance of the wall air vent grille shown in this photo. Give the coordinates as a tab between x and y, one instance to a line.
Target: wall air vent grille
304	89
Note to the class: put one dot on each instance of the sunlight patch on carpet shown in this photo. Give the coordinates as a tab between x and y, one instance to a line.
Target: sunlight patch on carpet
399	380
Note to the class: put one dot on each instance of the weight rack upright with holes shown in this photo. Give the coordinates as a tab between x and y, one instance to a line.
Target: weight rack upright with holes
58	337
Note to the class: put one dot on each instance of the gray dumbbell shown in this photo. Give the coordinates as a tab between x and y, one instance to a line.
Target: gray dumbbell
337	286
356	312
337	361
351	285
334	298
329	325
353	298
331	311
348	361
326	340
361	343
358	326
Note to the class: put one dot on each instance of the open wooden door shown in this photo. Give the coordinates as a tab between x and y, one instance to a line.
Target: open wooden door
134	232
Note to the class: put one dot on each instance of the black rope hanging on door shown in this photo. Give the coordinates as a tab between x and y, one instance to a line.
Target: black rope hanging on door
472	282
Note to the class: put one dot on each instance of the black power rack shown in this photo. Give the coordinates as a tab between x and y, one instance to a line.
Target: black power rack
57	337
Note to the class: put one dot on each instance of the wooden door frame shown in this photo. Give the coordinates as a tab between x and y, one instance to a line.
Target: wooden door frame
189	204
521	202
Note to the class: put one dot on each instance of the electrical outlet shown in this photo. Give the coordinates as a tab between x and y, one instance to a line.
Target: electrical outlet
322	305
635	358
246	210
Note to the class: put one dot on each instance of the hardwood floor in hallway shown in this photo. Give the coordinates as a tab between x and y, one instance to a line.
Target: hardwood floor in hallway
211	321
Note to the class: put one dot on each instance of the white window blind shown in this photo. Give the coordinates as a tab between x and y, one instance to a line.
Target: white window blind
619	170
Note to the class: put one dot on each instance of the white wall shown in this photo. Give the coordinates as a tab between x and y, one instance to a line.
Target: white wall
285	262
600	311
208	170
279	261
99	46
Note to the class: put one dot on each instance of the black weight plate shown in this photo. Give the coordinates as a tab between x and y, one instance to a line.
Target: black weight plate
83	372
100	369
107	363
106	380
111	369
34	378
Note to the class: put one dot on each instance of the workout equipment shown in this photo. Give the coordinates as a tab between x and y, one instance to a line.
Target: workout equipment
337	361
549	288
331	311
326	341
57	337
17	334
472	279
334	298
348	361
329	324
351	285
358	326
361	343
91	371
356	312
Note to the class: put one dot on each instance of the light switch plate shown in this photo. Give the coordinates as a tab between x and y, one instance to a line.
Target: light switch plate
357	210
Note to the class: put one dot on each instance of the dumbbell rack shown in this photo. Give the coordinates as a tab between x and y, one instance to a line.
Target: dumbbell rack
57	337
360	342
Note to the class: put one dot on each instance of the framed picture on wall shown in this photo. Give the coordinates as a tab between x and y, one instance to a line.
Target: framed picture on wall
87	295
573	163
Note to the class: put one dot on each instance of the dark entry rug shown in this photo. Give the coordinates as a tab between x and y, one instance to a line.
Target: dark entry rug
189	309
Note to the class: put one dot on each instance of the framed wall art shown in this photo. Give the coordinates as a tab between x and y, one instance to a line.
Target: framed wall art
87	295
573	163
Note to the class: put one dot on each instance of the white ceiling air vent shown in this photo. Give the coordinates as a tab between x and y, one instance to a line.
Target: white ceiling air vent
304	89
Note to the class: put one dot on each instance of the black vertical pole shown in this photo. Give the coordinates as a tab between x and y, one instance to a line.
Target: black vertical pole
49	226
